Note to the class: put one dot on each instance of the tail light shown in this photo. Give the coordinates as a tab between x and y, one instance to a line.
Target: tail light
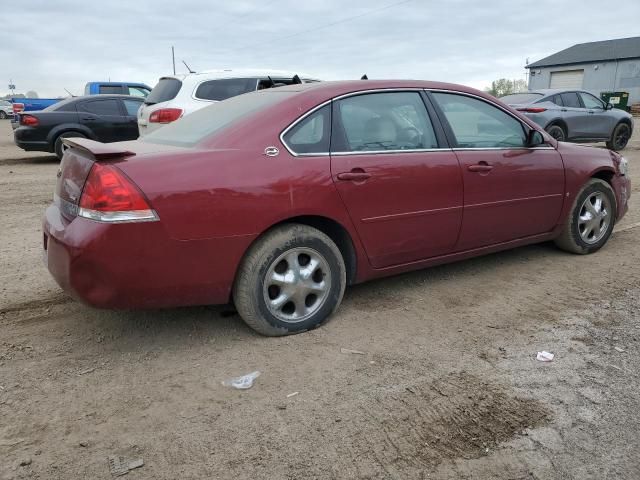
18	107
532	109
165	115
109	196
29	120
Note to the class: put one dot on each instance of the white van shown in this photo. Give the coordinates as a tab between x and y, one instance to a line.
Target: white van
178	95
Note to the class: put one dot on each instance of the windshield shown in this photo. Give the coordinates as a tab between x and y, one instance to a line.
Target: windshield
165	90
198	125
521	98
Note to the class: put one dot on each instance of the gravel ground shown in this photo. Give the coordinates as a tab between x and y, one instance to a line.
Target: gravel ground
447	386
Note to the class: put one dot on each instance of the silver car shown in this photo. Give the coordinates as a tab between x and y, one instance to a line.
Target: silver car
575	116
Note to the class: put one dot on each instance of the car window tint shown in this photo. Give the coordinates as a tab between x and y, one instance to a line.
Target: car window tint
311	135
557	99
590	101
5	103
101	107
225	88
570	99
165	90
478	124
132	106
138	91
110	89
384	121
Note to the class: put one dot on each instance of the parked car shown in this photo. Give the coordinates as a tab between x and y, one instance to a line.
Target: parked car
278	199
108	118
29	105
117	88
176	96
575	115
6	109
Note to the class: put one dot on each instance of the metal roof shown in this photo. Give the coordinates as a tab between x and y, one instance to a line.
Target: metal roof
593	52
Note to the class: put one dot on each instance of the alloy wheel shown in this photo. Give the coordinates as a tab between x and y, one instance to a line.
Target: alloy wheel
621	137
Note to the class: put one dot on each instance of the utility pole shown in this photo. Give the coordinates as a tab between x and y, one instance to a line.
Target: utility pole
173	59
12	87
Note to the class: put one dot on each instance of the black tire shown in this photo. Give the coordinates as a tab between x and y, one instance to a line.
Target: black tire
3	115
571	239
58	145
557	132
620	137
252	289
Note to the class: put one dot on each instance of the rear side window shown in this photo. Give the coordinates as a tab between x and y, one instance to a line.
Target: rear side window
225	88
165	90
383	121
518	98
478	124
101	107
554	99
312	134
110	89
570	99
132	106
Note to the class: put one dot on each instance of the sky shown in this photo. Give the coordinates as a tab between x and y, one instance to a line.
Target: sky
50	45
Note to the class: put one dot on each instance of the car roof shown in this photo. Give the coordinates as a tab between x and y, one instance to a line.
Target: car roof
240	73
553	91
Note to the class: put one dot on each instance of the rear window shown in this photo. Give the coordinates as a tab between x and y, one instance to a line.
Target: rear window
110	89
521	98
225	88
165	90
67	105
198	125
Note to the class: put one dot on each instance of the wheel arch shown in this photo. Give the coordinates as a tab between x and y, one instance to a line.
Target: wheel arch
66	128
561	123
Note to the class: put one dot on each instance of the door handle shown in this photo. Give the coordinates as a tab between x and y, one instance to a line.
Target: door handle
480	167
355	175
89	119
563	109
591	112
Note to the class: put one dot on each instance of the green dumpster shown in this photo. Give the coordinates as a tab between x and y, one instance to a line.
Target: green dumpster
617	99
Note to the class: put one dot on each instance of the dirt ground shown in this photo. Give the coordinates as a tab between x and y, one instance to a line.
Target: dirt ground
447	388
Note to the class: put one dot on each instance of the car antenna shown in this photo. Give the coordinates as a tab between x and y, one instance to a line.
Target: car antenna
296	80
272	82
68	92
364	77
188	67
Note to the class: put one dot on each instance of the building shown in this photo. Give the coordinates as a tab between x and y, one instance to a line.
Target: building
610	65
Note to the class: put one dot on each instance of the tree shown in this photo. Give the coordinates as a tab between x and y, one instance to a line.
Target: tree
32	94
503	86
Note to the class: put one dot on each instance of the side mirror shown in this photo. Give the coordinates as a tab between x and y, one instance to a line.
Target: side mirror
534	138
608	106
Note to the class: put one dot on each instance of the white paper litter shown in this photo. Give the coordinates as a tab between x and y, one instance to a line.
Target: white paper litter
353	352
544	356
292	394
242	383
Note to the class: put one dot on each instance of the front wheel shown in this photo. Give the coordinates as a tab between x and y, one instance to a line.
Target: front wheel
620	137
3	115
557	132
291	280
591	219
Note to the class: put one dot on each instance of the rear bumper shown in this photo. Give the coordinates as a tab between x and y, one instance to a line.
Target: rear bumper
137	265
23	138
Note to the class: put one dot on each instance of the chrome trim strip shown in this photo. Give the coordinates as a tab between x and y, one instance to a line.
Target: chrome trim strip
513	200
380	152
466	149
420	213
119	217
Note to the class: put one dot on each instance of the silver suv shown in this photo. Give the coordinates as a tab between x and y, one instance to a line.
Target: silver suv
575	116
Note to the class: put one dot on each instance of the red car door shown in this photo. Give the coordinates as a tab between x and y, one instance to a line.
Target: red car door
403	192
510	191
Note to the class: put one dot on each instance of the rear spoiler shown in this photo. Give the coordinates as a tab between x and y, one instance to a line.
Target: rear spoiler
98	150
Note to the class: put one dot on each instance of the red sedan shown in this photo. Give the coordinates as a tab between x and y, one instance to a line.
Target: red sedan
278	199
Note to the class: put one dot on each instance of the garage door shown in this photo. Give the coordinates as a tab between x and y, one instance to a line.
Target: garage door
567	79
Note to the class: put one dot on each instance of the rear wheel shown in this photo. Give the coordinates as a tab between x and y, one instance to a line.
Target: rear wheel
291	280
59	147
591	219
620	137
557	132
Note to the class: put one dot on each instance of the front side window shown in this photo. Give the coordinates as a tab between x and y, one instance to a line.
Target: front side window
570	99
225	88
132	106
101	107
138	91
478	124
590	101
383	121
311	135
